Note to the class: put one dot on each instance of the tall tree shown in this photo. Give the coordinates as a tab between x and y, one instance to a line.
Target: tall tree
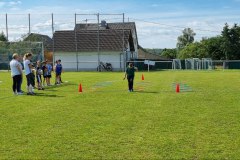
231	45
186	38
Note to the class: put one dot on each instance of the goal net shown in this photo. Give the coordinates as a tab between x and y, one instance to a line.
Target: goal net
176	64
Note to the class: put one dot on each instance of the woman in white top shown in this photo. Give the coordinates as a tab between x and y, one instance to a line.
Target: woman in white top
16	73
28	72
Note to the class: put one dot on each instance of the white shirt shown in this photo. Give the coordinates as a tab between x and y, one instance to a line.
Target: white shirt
14	64
26	67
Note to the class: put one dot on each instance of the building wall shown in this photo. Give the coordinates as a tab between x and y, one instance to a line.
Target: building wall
88	61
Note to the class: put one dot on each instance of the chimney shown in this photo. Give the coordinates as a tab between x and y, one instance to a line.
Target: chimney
103	24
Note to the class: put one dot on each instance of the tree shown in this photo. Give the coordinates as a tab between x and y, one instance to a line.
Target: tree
169	53
231	45
193	50
186	38
213	47
3	38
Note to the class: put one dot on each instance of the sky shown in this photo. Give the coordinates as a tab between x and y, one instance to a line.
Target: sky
158	22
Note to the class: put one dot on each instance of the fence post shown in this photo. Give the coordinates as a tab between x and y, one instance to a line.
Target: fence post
76	45
98	41
53	39
7	26
148	65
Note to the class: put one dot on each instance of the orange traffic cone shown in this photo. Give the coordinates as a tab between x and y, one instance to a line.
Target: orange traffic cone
177	88
142	77
80	88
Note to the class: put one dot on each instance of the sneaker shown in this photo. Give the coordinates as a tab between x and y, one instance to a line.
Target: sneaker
30	93
33	93
19	93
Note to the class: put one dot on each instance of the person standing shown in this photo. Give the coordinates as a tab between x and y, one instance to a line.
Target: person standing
29	74
39	73
16	73
54	68
130	73
44	69
58	71
49	73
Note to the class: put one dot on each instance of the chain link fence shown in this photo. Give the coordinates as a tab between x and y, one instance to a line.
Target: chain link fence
9	48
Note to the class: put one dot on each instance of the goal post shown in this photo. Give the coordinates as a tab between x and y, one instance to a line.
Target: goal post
176	64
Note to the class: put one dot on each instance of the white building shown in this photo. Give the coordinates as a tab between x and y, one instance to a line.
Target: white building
83	48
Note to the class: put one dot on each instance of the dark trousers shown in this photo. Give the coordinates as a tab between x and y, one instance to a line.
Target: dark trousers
17	80
130	82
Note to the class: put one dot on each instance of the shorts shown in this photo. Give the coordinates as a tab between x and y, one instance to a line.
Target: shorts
58	74
49	76
30	79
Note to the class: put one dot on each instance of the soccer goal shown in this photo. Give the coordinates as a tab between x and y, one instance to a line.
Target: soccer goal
188	63
196	64
207	64
176	64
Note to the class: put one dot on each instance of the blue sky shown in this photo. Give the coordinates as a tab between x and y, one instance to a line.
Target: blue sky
159	22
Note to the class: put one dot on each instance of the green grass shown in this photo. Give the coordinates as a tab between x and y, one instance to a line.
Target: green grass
107	122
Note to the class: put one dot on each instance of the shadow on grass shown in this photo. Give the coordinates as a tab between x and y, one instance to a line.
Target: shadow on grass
46	95
152	92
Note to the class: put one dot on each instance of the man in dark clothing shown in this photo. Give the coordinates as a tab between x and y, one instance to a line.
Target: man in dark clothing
130	73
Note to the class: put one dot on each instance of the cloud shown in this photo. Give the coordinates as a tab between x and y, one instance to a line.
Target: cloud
14	3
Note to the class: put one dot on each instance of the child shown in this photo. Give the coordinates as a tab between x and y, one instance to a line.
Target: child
60	77
58	71
39	73
44	69
49	73
29	74
55	72
130	73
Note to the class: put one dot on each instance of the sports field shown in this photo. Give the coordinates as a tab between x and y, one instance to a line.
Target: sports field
108	122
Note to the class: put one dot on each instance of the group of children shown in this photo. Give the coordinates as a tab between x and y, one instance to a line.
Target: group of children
42	69
45	69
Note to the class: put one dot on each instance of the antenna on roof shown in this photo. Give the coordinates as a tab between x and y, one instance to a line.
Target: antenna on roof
86	20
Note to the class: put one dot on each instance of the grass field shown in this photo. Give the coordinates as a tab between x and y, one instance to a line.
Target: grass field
107	122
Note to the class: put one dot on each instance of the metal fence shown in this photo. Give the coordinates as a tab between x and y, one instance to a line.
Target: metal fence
18	26
9	48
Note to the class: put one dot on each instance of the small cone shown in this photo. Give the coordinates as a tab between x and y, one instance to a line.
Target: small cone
177	88
142	77
80	88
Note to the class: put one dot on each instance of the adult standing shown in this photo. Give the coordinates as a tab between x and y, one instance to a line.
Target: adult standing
28	72
130	73
16	73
